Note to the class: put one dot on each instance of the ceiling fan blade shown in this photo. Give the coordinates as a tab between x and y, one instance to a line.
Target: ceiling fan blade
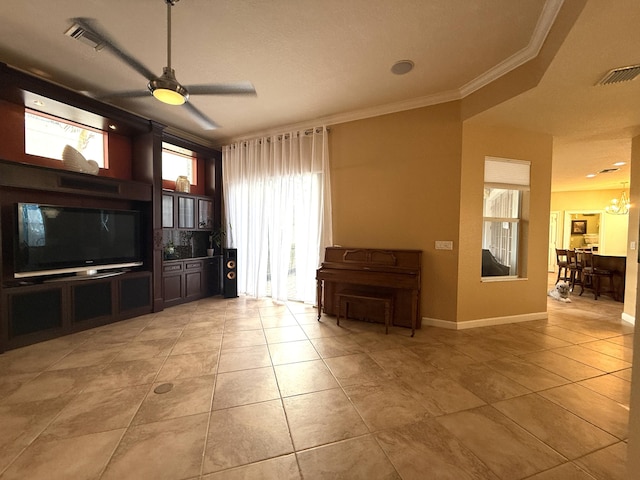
91	26
200	117
129	94
242	88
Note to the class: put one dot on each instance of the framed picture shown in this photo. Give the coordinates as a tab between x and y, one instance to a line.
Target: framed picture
578	227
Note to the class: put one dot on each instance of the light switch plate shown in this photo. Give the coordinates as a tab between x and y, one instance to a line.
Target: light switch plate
444	245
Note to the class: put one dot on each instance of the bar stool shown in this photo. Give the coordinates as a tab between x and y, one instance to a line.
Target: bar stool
575	269
592	276
562	260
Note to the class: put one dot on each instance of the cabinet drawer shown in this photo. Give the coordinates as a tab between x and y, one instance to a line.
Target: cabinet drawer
193	265
172	267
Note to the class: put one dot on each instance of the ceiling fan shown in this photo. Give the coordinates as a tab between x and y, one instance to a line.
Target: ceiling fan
165	87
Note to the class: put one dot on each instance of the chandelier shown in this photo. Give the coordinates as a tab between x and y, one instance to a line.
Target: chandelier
619	206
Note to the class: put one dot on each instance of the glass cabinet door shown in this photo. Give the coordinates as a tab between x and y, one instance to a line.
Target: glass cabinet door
167	211
186	212
205	214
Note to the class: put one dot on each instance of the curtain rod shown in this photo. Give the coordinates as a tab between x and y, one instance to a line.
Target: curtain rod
282	136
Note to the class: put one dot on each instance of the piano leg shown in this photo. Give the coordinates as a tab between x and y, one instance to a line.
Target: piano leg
319	302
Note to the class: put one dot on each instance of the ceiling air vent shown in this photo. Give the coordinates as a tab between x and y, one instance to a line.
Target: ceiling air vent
623	74
609	170
85	36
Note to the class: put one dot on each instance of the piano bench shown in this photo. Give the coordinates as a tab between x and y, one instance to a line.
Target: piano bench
345	297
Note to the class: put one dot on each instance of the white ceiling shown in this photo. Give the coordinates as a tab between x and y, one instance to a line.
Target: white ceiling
327	61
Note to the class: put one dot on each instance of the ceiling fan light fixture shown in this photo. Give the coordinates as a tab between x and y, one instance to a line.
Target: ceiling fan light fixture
167	89
168	96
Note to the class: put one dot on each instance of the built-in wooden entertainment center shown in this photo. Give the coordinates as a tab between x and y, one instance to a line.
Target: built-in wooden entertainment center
39	308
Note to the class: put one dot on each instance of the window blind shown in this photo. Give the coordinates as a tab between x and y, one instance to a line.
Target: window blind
503	171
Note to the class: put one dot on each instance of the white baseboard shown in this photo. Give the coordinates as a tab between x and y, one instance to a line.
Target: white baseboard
628	318
483	322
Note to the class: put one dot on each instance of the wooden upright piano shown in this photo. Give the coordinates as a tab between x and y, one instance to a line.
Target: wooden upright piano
369	271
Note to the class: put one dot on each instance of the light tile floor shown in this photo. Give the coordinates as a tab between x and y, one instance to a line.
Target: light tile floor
264	391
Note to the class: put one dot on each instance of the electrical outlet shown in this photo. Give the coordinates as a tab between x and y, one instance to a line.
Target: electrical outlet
444	245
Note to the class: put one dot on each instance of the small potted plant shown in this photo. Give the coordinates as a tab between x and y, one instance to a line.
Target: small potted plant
210	249
215	238
170	250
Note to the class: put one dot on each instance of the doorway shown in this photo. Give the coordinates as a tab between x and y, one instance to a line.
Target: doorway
584	229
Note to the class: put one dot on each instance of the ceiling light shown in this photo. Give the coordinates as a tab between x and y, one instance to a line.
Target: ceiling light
402	67
619	164
112	126
40	73
591	175
167	89
619	206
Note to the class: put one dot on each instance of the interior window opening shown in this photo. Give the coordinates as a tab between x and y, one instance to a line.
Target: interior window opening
47	136
505	215
178	162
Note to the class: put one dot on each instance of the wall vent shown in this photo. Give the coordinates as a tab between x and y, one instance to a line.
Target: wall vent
85	36
623	74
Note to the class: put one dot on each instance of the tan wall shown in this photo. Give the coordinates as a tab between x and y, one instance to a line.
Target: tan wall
485	300
633	453
408	179
615	227
396	184
631	285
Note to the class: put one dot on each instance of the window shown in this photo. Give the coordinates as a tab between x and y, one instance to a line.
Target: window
46	136
278	212
505	215
178	161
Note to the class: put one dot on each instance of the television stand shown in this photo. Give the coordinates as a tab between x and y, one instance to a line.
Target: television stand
37	312
85	276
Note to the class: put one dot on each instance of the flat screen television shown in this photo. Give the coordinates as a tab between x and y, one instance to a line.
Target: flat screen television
54	239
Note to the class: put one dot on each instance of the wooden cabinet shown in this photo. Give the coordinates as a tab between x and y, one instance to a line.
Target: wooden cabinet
182	281
187	279
186	212
32	313
193	284
190	279
39	311
172	282
45	307
92	300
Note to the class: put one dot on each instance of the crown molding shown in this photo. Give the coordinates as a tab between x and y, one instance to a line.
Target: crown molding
351	116
545	22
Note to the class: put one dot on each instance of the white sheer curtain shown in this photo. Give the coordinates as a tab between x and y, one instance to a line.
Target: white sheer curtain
277	200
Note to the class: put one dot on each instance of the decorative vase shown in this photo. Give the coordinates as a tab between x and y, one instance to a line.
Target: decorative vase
209	252
183	184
